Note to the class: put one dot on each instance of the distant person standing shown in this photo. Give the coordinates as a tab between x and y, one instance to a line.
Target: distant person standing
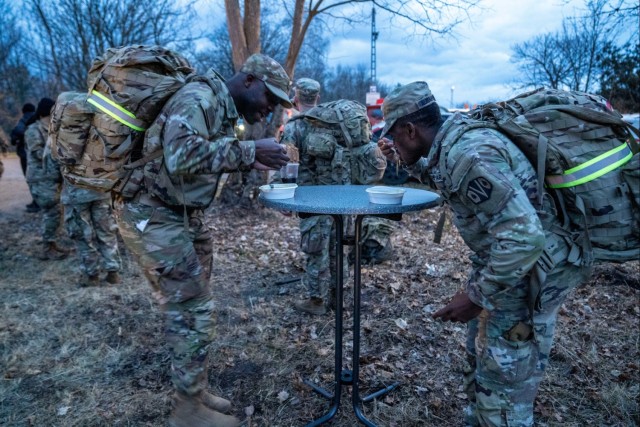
317	232
44	178
17	139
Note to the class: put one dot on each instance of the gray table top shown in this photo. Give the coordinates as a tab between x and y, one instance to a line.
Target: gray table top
349	199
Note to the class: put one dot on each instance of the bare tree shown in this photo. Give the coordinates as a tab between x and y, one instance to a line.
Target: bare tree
68	34
15	78
541	61
426	17
349	83
569	58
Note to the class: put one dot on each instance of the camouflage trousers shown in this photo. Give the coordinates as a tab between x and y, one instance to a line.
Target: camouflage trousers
47	196
507	353
176	259
94	231
317	241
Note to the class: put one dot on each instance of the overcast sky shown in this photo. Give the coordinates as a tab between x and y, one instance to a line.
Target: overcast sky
477	64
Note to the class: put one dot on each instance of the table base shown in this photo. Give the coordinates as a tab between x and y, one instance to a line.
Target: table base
344	376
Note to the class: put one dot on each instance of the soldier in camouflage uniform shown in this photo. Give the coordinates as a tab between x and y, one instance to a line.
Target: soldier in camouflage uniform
44	179
520	275
89	221
164	224
317	236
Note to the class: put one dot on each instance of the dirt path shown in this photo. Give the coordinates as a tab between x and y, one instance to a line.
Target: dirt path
14	192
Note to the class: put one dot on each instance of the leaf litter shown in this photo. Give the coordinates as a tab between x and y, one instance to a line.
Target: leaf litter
75	356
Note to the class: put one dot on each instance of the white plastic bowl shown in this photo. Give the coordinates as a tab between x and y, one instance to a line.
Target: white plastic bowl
385	195
278	191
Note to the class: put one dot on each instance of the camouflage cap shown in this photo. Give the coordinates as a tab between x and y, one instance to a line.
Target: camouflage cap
271	73
307	90
405	100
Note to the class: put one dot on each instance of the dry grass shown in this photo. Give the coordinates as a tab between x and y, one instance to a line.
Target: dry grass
96	357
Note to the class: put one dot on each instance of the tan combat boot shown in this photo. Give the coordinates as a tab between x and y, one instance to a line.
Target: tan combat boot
61	248
49	252
113	277
189	411
90	280
216	403
312	305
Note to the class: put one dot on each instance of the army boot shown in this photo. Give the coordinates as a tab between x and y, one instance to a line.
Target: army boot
189	411
113	277
214	402
61	248
312	305
49	252
90	280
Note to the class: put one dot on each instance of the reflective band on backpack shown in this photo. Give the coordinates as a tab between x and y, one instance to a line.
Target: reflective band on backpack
592	169
109	107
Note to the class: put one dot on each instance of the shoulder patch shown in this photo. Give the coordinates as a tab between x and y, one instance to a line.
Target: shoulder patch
479	190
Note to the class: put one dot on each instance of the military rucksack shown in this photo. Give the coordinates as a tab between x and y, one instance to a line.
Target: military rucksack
98	136
587	158
339	141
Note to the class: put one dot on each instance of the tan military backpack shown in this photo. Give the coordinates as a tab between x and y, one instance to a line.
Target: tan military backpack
586	157
339	142
98	135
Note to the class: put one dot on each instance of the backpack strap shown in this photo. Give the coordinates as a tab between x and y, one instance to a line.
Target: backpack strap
110	107
343	127
144	160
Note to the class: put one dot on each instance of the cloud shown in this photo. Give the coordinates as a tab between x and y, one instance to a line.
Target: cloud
477	63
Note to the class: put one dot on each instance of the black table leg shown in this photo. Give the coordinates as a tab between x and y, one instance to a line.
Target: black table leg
346	376
355	393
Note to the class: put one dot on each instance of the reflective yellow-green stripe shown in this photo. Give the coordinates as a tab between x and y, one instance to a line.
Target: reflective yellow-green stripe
592	169
114	110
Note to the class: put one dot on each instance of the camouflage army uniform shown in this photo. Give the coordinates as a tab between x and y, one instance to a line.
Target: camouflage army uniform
317	234
164	224
491	188
44	178
89	221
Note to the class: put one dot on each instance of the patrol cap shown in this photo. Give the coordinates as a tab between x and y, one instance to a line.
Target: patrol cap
271	73
405	100
307	90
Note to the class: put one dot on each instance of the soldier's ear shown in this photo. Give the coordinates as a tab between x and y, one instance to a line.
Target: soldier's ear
411	130
248	80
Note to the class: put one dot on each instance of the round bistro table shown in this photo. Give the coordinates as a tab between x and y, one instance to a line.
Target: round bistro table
339	200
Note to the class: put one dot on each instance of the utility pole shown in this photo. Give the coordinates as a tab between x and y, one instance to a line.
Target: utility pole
374	37
372	96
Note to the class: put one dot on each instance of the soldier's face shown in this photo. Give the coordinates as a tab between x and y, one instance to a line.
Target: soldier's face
261	102
407	142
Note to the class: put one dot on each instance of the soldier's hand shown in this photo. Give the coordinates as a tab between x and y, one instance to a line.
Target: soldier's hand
459	309
387	148
270	154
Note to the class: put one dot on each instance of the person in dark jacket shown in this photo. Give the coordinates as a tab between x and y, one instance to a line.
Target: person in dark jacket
17	139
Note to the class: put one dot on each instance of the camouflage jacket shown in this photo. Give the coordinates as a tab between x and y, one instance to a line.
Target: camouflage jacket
337	165
40	165
491	186
195	131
